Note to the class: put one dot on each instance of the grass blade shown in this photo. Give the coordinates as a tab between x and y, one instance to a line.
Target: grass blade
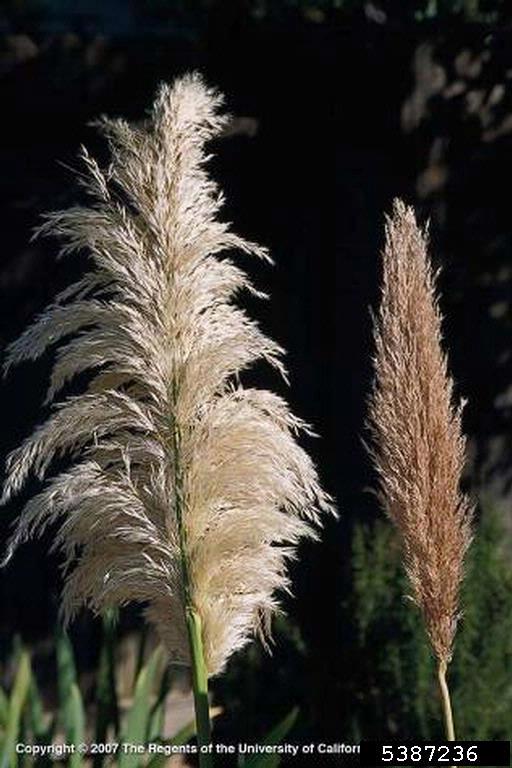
138	719
183	736
273	737
180	739
17	702
106	698
4	709
71	709
42	730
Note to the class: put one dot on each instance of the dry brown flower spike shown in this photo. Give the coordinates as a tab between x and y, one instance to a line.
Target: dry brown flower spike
417	444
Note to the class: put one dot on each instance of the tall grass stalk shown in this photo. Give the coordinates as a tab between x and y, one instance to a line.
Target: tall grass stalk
187	491
417	443
446	701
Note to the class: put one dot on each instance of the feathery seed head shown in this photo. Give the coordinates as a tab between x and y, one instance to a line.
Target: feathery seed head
186	487
418	447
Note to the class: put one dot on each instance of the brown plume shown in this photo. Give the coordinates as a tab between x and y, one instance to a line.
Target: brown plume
417	445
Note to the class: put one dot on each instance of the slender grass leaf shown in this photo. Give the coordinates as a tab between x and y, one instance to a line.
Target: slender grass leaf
37	718
4	708
184	734
66	676
106	698
156	722
75	717
180	739
138	718
158	711
17	702
140	653
71	716
273	737
41	727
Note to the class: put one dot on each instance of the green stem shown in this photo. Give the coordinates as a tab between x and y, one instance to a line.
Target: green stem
192	618
200	686
445	699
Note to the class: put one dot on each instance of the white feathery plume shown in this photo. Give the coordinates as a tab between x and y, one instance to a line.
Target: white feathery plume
187	489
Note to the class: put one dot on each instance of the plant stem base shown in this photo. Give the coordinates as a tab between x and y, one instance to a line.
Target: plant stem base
200	688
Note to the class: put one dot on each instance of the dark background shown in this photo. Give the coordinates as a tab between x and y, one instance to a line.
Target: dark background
355	103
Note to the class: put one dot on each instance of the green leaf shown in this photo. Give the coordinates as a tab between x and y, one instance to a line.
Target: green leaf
41	729
140	653
273	737
75	717
36	710
158	711
156	722
106	699
184	734
138	718
182	737
16	705
71	709
4	708
66	676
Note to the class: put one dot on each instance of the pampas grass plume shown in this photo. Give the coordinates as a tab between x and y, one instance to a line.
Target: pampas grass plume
187	490
417	443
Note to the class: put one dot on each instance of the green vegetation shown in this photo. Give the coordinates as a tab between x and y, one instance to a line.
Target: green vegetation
24	718
395	688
